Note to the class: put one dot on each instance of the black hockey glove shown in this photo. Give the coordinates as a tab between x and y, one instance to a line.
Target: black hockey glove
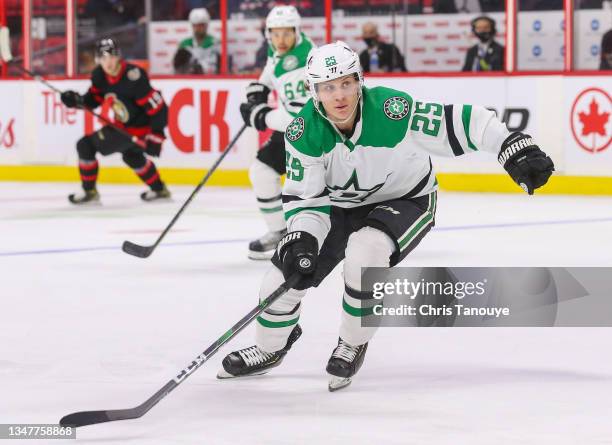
257	93
526	164
154	144
298	251
254	115
72	99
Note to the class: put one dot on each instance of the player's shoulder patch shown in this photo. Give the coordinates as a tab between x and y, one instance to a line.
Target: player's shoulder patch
295	129
387	111
309	133
396	107
290	62
134	74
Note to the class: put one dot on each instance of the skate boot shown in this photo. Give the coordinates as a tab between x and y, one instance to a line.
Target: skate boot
155	195
86	197
344	363
263	248
255	361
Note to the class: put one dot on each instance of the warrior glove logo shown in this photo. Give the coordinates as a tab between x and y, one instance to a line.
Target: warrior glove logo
305	263
295	129
396	108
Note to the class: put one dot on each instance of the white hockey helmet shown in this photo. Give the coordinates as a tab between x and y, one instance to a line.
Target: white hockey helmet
284	17
198	16
329	62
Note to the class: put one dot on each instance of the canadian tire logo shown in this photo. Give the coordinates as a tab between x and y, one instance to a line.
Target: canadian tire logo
591	120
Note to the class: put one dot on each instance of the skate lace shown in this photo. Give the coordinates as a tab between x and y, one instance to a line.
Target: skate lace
345	351
254	356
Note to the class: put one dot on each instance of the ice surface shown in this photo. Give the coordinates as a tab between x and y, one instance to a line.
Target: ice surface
84	326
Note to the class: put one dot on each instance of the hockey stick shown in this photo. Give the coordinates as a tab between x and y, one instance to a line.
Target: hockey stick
7	56
83	418
145	251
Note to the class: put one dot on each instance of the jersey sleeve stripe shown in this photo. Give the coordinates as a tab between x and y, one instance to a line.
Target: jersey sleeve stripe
322	209
466	118
291	198
450	131
273	199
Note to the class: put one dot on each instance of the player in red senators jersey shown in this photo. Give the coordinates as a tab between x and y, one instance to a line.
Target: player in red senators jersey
138	108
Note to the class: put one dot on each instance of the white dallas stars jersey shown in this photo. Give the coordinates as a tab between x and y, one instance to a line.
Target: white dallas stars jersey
387	156
286	75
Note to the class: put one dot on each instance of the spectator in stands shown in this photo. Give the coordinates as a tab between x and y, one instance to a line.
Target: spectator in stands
606	51
203	47
487	55
379	56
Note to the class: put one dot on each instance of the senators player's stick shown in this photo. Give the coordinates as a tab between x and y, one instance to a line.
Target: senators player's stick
7	56
83	418
145	251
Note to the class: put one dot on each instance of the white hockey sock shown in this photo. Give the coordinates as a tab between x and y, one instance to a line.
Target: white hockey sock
367	247
276	323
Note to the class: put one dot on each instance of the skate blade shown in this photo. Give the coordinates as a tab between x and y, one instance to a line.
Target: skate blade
157	200
261	256
337	383
223	374
94	203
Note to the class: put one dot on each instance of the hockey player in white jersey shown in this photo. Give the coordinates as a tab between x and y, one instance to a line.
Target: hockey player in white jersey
284	72
361	187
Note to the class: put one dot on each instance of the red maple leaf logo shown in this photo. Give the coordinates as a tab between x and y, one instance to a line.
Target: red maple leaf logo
593	122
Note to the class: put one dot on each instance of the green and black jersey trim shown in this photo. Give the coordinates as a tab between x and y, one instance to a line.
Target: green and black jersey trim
321	209
421	224
466	118
291	198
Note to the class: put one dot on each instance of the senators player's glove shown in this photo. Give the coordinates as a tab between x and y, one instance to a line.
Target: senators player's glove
72	99
526	164
298	252
154	144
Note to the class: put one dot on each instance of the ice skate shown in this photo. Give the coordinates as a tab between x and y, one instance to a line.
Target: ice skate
344	363
255	361
155	195
85	197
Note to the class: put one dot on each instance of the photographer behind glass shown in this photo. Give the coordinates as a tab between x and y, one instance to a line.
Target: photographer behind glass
487	55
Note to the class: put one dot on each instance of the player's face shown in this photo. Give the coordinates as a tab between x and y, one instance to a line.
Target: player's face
110	64
283	39
200	30
339	97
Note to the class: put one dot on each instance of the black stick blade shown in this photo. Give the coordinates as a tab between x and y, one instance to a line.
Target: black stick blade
84	418
136	250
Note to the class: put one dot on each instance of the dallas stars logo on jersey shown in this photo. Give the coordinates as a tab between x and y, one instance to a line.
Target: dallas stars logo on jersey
351	191
295	129
290	62
396	108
